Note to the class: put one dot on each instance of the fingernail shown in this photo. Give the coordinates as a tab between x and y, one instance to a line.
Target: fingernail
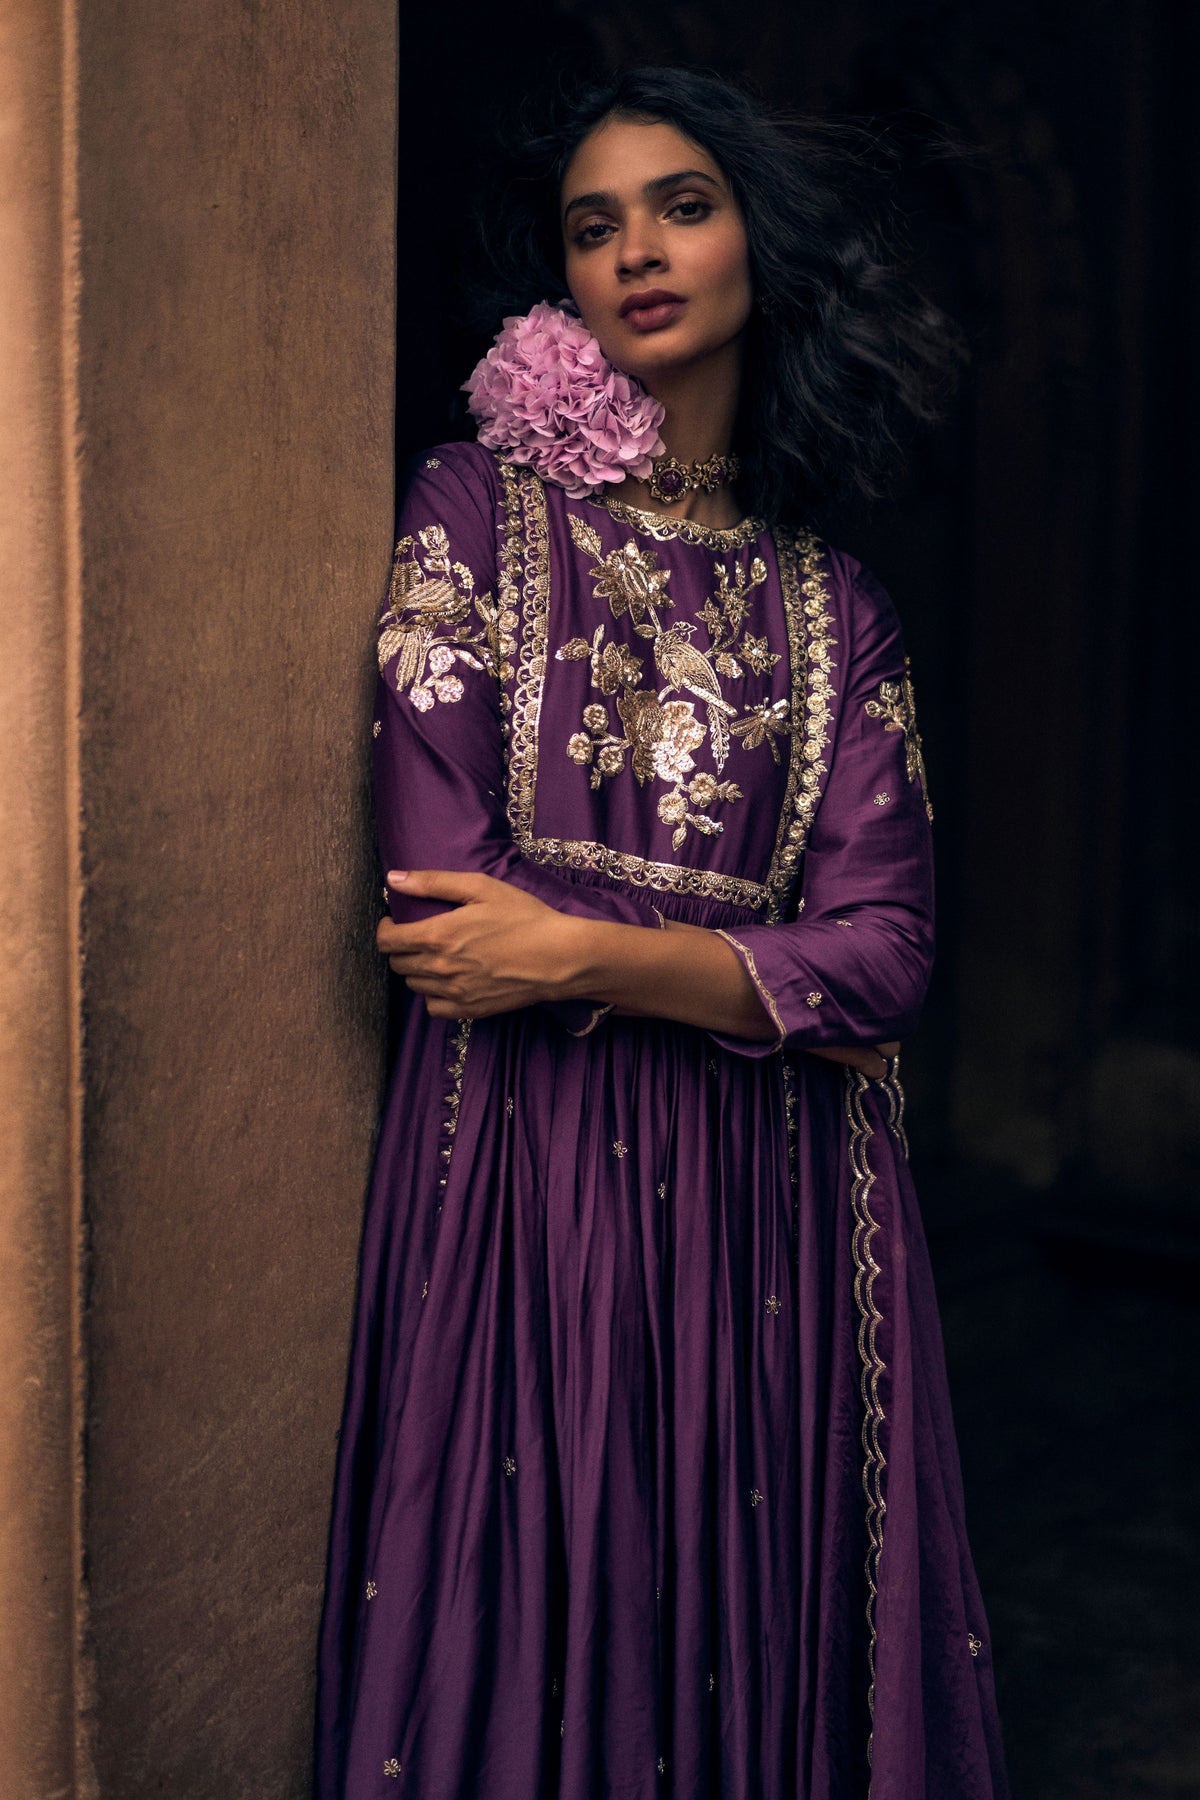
397	875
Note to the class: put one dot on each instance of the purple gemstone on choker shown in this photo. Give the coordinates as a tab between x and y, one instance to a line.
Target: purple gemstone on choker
670	481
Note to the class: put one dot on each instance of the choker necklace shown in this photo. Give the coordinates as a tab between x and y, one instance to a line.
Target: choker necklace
671	479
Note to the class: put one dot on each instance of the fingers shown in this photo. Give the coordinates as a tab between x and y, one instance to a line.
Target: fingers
439	884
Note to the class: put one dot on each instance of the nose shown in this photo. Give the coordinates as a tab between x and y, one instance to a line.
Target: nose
639	249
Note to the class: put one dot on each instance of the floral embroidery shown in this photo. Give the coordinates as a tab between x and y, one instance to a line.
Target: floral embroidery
661	1766
372	1590
620	1149
392	1767
510	1466
897	706
376	728
882	799
974	1644
813	999
772	1304
525	582
755	1497
661	735
426	623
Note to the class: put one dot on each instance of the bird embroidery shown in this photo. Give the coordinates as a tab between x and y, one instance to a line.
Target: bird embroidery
661	735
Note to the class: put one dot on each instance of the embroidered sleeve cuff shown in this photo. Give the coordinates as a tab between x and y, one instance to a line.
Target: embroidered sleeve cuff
753	1046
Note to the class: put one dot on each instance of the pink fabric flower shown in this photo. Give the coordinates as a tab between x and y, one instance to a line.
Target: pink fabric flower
547	396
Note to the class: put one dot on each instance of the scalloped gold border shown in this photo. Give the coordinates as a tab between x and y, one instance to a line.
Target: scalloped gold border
866	1269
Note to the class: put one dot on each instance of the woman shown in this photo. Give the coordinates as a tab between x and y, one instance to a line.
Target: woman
647	1481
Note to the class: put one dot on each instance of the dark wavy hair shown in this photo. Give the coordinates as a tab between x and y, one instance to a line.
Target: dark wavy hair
843	356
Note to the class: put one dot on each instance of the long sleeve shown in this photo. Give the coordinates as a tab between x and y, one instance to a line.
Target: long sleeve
446	641
854	966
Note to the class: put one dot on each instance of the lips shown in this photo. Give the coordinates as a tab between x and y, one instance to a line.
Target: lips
651	308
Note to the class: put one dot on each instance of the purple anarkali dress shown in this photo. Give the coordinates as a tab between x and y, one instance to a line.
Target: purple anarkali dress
647	1483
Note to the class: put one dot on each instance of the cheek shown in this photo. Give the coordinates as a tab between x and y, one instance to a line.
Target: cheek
732	268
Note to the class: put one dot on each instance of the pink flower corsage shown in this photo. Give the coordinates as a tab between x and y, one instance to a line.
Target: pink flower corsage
547	396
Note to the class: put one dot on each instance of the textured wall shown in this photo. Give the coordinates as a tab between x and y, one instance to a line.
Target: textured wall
38	901
237	205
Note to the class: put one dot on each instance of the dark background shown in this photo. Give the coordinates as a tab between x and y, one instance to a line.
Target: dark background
1036	551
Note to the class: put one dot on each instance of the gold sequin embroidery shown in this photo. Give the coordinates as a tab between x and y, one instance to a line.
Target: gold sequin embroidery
620	1149
427	624
453	1098
372	1590
882	799
814	999
772	1304
510	1465
974	1644
392	1767
662	735
897	707
756	1497
525	581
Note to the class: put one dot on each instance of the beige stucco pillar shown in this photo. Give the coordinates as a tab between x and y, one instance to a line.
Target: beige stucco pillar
197	207
40	1393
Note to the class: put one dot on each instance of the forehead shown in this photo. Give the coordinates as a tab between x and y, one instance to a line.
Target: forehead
621	155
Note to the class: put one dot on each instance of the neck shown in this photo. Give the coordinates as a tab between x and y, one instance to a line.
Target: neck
701	405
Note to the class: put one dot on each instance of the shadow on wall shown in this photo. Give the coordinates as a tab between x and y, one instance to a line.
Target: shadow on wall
1033	551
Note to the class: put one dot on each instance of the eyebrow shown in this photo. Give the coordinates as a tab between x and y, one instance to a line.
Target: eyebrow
657	186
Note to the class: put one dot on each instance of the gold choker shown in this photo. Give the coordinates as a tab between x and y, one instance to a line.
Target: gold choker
671	479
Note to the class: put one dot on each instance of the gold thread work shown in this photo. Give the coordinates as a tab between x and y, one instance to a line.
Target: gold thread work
524	580
866	1269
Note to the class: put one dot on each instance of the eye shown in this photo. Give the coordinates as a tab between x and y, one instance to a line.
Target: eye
698	211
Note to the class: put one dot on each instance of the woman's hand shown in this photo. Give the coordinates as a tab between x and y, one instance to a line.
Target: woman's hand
495	949
498	948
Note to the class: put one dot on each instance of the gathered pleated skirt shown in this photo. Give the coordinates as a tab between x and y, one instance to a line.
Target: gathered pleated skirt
646	1484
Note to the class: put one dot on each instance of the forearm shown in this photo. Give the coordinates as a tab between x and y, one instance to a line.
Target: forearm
685	973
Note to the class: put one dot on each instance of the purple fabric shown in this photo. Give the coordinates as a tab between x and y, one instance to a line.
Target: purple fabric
647	1483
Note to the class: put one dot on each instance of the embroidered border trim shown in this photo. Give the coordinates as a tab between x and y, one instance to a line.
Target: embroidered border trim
662	527
592	1023
810	645
764	992
789	1113
890	1083
873	1366
453	1099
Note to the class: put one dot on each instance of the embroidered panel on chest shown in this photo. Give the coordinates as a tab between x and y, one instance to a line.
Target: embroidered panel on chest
666	703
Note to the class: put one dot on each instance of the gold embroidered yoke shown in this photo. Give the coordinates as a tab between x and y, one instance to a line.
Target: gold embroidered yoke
665	701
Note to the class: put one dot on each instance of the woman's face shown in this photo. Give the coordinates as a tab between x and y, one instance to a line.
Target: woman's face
646	212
